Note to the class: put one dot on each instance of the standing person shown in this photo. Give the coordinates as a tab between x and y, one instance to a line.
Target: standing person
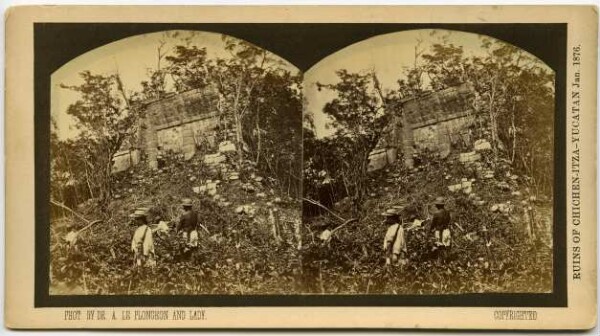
440	224
394	242
142	244
188	224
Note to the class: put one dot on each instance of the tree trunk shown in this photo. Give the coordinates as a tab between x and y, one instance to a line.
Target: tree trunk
360	187
407	141
87	180
493	119
258	137
514	134
239	139
106	184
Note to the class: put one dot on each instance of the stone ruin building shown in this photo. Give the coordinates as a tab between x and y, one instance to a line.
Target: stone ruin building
177	122
183	122
434	121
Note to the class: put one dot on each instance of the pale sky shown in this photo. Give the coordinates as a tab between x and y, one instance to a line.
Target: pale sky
386	54
132	57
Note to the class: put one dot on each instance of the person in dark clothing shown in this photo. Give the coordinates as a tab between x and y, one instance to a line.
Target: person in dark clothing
440	225
188	224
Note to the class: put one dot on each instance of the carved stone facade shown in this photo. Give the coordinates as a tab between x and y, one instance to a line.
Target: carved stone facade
433	121
179	123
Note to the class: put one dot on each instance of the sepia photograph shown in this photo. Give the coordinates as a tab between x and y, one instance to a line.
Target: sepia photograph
301	168
175	168
428	167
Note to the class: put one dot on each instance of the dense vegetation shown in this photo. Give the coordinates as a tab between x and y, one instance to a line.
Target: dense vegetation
493	250
259	98
502	226
258	95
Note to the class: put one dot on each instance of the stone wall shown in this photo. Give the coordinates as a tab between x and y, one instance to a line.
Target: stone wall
179	123
440	137
435	107
432	121
382	157
181	108
123	160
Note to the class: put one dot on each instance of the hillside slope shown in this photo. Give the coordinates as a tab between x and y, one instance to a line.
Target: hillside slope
502	232
237	253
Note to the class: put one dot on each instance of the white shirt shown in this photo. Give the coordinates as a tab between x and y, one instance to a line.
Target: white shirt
396	239
142	237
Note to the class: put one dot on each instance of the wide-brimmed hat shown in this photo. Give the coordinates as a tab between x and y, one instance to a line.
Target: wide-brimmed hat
440	201
390	213
399	208
138	214
186	202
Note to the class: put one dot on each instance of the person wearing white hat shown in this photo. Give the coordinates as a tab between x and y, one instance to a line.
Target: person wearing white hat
394	242
142	243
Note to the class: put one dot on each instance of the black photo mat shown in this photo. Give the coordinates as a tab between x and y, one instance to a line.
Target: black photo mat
303	45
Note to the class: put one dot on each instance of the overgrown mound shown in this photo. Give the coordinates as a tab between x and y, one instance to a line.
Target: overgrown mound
502	232
237	252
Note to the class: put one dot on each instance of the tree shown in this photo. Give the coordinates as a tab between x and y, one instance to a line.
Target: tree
106	119
259	97
513	90
188	67
155	87
360	117
444	66
272	128
237	79
520	92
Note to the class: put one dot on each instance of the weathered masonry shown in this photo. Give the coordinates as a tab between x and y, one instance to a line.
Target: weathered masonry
179	123
124	159
433	121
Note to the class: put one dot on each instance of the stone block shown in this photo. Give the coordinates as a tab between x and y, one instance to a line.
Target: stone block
469	157
226	146
455	187
482	145
214	159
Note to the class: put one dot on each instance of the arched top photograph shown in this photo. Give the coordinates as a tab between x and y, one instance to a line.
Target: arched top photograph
172	148
440	143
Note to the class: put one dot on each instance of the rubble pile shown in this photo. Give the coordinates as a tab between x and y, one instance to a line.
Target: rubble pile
235	204
496	219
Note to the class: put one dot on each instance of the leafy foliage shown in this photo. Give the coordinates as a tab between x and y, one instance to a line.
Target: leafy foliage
359	117
257	95
273	131
188	67
238	256
491	252
106	121
353	261
514	90
261	99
